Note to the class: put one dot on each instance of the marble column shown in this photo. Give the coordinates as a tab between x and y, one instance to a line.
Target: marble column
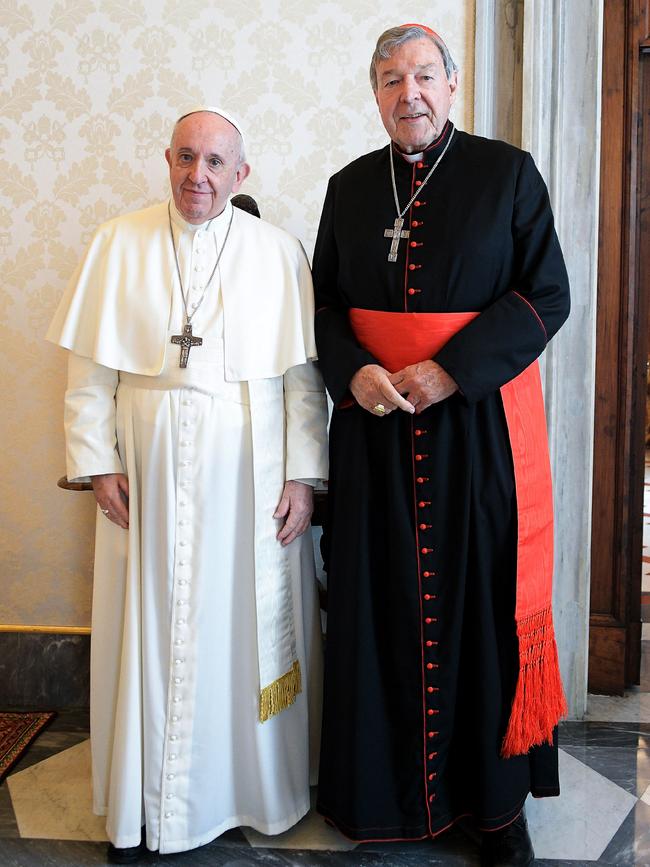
557	54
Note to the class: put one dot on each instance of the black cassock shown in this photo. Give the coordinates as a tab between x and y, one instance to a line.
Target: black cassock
420	671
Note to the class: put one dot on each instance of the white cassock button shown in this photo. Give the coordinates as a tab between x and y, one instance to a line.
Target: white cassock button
179	661
171	776
186	463
172	757
180	621
176	699
175	718
178	680
182	582
187	403
173	737
168	815
169	796
181	602
179	642
182	504
182	543
187	424
182	562
183	523
186	443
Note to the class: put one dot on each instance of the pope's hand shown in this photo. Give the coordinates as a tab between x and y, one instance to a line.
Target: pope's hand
371	385
295	506
424	384
112	495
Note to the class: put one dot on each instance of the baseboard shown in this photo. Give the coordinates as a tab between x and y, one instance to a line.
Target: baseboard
44	670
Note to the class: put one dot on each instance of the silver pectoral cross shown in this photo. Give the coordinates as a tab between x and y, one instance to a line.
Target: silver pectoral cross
396	233
186	341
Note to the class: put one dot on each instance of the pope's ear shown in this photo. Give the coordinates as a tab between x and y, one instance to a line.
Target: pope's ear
168	156
243	172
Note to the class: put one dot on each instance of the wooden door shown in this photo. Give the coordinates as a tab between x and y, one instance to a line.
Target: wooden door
621	349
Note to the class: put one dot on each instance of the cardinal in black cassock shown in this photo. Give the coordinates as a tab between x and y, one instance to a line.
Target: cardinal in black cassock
439	281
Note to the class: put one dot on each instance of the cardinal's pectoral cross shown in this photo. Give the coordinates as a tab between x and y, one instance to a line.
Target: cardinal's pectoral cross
186	341
396	233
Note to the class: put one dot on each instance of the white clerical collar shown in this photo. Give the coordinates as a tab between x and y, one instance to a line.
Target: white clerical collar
412	158
216	223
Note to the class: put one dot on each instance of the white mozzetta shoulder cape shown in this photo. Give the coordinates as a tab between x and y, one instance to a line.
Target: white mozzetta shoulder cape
117	306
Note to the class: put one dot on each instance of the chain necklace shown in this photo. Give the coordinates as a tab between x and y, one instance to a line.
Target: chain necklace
397	232
187	340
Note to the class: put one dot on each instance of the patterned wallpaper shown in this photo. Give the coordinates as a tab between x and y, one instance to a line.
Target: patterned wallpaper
90	89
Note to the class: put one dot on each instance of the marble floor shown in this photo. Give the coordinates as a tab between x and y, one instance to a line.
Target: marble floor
602	816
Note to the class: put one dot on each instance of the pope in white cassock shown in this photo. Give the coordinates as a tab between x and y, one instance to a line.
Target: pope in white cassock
196	409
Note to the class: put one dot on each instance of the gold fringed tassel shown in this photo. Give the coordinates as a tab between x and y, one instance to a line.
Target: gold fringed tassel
280	694
539	701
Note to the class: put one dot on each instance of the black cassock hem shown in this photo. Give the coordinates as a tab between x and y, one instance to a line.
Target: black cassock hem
444	823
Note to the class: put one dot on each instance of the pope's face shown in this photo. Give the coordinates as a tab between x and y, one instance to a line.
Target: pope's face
204	165
414	94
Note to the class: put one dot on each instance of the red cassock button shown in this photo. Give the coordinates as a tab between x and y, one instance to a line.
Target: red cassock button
411	291
429	665
426	550
412	267
424	526
417	204
427	574
432	798
418	183
420	165
432	756
429	689
429	643
431	777
415	224
428	619
418	432
427	597
419	457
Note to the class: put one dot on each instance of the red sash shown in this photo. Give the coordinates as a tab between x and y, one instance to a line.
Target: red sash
399	339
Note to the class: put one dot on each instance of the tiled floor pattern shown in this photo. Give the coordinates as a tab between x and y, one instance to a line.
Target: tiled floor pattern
602	816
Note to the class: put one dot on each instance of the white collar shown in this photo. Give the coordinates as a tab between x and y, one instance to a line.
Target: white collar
215	223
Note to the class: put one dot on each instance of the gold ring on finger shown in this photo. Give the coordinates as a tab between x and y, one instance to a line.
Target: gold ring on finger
379	408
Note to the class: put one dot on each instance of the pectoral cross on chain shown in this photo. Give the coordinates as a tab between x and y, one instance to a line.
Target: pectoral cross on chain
396	233
186	341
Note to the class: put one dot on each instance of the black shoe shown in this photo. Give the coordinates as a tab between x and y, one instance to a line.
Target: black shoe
509	846
127	855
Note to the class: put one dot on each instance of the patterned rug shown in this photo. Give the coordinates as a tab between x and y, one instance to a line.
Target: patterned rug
17	731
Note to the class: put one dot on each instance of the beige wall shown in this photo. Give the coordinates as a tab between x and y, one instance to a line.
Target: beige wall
89	92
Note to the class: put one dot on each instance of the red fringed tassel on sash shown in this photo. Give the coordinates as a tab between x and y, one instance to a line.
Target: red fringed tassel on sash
539	701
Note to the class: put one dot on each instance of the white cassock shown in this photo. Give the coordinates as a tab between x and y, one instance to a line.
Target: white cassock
197	606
